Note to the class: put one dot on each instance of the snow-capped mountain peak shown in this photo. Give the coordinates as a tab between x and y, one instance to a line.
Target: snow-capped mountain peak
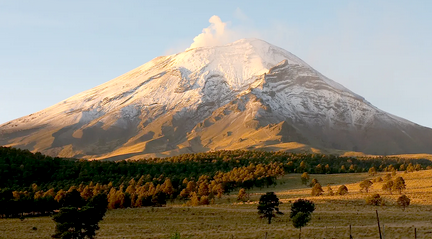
247	94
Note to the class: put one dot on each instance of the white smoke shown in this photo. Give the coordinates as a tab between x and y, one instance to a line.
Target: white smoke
215	35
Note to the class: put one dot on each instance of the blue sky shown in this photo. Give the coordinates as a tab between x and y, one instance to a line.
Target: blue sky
51	50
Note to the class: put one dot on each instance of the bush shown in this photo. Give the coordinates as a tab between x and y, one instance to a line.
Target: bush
72	222
342	190
403	201
317	190
305	178
329	190
375	200
365	185
399	184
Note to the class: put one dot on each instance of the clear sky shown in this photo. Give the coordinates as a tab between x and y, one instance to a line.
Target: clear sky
51	50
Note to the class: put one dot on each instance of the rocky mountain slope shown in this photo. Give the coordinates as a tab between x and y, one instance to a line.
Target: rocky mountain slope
245	95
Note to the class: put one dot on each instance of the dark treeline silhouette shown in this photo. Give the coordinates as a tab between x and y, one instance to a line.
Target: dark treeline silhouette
19	169
32	183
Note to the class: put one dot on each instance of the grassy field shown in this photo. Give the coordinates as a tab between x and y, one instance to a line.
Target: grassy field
229	219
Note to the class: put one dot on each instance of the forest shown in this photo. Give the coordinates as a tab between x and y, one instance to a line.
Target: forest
36	184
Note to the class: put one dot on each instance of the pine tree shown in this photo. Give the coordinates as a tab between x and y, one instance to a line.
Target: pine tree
269	203
301	213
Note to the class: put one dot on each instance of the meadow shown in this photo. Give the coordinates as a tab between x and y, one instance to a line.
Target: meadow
228	218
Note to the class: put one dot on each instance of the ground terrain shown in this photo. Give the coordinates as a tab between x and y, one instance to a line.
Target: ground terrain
229	219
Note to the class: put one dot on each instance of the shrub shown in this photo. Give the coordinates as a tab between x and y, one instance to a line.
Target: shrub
374	199
242	196
342	190
399	184
305	178
388	186
403	201
366	184
313	182
317	190
329	190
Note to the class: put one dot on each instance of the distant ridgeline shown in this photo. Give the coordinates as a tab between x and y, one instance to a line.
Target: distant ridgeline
37	184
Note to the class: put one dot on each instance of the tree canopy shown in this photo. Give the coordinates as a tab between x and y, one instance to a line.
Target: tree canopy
268	206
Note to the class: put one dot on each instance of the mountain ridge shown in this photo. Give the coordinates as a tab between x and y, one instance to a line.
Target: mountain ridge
247	94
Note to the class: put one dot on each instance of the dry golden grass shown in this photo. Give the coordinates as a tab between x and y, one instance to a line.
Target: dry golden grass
229	219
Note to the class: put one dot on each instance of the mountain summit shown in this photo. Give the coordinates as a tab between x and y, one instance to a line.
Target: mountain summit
245	95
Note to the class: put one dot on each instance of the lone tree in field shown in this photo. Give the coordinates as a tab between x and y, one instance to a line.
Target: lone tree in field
342	190
403	201
301	213
365	185
399	184
269	203
75	223
305	178
317	190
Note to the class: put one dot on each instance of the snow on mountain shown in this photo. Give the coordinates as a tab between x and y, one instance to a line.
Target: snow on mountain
247	94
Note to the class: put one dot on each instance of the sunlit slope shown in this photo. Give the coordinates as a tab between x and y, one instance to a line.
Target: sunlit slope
245	95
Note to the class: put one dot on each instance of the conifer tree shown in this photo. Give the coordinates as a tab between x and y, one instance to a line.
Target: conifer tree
268	204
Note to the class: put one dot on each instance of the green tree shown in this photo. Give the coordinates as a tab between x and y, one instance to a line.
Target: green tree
72	199
301	213
319	168
268	204
403	201
74	223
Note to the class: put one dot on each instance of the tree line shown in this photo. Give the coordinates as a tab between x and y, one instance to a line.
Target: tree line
33	183
19	169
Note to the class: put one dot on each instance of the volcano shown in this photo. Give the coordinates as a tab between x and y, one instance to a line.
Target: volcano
245	95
